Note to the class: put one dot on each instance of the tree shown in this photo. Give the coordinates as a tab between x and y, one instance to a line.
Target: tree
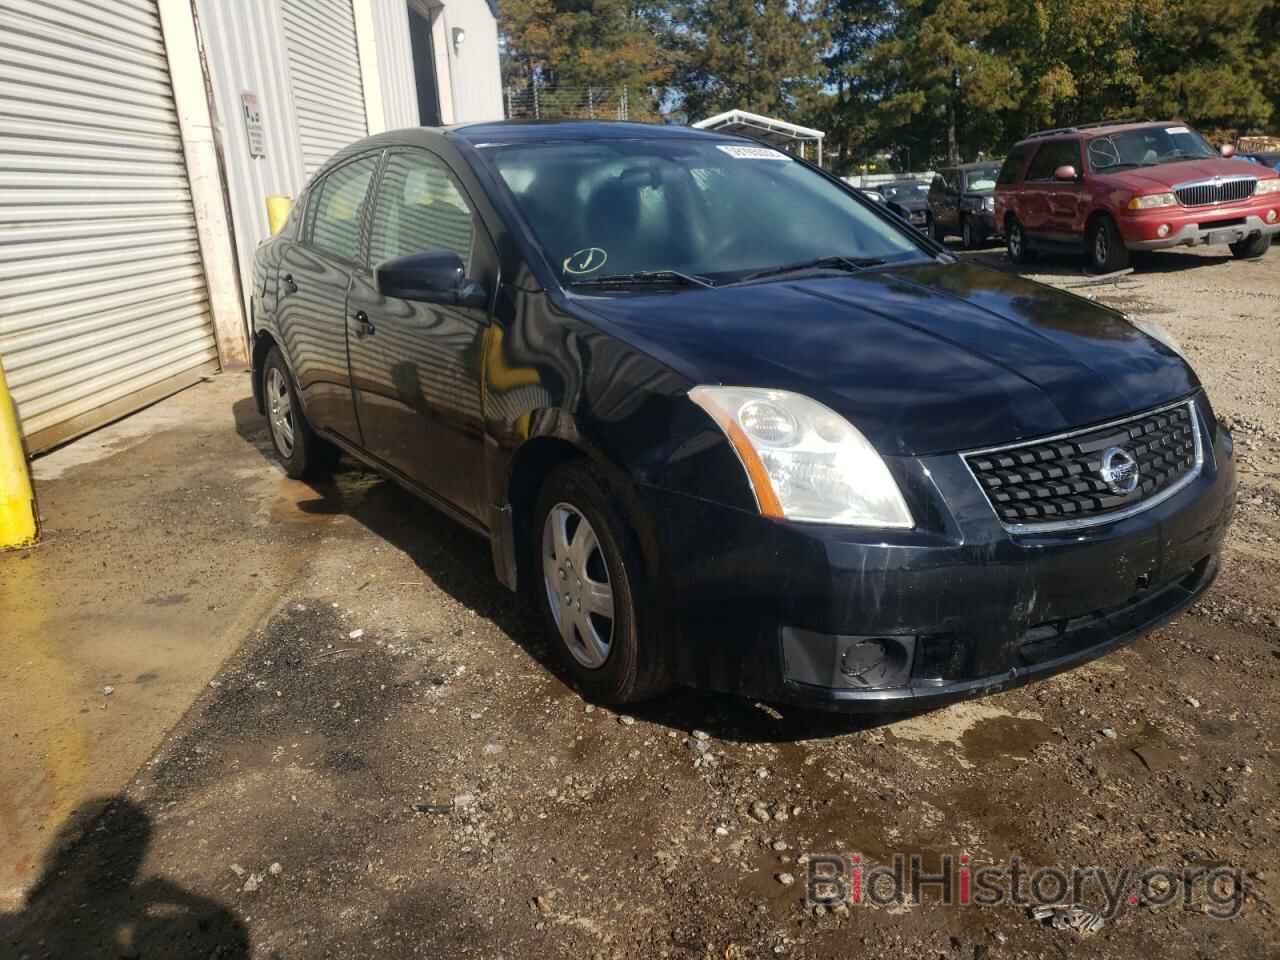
573	45
757	55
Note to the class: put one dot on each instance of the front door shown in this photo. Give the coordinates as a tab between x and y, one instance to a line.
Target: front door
416	367
313	282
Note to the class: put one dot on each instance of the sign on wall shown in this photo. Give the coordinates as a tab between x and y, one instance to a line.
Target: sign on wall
253	125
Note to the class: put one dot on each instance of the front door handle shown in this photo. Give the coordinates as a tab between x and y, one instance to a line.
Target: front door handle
364	326
290	285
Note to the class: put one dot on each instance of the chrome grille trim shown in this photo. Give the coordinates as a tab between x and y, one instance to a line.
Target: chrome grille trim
1202	193
1058	526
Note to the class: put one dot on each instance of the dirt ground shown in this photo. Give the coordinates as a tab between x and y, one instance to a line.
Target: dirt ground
390	764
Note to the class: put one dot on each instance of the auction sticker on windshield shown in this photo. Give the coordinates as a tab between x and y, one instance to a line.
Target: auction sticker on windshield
751	153
587	260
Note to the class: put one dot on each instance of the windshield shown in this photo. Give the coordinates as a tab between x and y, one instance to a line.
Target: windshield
905	191
706	209
1147	147
982	180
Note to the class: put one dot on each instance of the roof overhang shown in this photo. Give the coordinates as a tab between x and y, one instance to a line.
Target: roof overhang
770	130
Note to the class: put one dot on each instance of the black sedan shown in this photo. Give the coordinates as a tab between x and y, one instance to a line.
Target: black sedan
729	424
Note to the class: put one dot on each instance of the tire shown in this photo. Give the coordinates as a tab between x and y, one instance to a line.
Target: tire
606	648
302	452
936	231
1107	252
1251	247
970	234
1016	242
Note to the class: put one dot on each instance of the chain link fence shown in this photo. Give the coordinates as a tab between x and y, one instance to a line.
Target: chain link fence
536	102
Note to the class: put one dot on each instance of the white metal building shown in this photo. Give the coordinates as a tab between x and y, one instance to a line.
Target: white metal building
138	142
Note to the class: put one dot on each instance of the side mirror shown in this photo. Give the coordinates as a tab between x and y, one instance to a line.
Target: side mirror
1066	172
1227	150
437	276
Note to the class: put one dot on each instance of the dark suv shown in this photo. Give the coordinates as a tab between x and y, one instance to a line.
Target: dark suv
962	201
1109	188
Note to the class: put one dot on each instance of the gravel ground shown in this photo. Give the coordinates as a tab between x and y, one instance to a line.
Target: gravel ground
392	765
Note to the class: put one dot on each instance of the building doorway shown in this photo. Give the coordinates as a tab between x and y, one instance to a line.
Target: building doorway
421	40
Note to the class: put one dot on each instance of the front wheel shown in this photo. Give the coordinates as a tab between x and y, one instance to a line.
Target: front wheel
589	574
1251	247
1107	252
936	230
969	233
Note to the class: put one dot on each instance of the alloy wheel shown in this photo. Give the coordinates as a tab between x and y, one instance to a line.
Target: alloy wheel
579	592
1015	241
280	411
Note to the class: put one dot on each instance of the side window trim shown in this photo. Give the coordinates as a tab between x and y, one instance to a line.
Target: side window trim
315	193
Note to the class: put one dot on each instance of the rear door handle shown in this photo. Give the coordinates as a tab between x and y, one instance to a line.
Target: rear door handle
290	285
364	326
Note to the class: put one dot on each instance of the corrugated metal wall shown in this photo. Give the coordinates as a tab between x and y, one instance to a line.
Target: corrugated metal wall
102	289
324	67
395	63
243	45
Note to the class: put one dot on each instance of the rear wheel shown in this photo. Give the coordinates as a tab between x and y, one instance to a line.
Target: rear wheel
302	452
1251	247
589	574
1107	252
1016	241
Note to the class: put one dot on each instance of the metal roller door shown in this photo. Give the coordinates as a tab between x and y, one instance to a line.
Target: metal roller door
324	70
103	303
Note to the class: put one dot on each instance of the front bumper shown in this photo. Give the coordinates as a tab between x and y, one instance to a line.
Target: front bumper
983	608
1214	231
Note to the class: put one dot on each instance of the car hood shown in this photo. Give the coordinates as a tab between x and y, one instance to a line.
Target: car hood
1186	171
923	358
918	202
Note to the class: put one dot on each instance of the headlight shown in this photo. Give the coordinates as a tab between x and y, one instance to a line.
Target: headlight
1153	200
1157	331
803	460
1268	186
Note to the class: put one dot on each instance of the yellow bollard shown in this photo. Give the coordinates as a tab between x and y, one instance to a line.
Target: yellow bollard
278	212
18	525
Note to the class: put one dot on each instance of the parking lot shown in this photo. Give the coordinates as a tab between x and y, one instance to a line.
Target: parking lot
380	757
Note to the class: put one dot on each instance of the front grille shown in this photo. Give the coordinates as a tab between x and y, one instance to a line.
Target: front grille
1061	479
1216	191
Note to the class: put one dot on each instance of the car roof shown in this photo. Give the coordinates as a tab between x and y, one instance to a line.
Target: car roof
549	131
1102	128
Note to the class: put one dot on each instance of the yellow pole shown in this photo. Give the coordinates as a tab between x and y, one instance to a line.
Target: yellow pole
18	526
278	212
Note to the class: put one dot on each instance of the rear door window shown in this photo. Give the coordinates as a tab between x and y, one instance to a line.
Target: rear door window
336	208
1013	164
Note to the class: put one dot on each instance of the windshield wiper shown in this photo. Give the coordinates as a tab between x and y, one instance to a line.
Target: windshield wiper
851	264
644	276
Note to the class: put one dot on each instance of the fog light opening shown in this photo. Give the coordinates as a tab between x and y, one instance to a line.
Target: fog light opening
1271	216
875	662
1163	230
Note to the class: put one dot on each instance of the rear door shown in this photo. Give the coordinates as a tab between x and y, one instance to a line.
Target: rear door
416	367
313	283
1038	185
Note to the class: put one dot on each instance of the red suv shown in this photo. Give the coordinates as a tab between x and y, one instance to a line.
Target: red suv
1116	186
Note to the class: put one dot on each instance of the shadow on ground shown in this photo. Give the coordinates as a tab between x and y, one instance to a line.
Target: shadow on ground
458	561
92	900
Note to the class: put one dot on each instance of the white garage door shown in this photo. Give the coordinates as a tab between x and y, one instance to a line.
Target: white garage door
324	69
103	304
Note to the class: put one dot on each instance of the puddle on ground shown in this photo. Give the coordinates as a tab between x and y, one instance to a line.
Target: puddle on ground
998	737
346	492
